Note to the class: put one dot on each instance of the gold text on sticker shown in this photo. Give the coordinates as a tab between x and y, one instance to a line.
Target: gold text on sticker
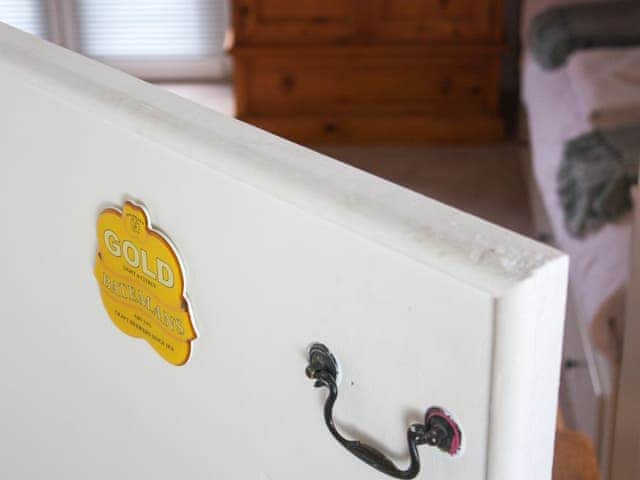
142	282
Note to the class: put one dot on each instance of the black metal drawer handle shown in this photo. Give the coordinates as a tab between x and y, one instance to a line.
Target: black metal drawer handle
439	429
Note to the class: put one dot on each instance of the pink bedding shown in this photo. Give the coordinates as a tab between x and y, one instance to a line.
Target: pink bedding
606	83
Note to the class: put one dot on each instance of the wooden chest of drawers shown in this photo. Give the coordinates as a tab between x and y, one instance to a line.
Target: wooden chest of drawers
376	70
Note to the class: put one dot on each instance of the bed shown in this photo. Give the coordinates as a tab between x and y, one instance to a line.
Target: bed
599	262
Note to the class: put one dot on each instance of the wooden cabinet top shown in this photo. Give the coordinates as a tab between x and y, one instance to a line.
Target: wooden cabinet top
286	22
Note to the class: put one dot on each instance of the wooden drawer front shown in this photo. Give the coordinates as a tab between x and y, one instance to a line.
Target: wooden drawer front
429	20
299	22
360	85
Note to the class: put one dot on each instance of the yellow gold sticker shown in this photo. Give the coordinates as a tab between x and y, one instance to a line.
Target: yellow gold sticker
142	282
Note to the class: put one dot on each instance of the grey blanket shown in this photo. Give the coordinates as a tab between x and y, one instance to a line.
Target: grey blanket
559	31
595	176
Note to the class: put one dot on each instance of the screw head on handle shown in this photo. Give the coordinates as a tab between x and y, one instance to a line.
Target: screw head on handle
442	431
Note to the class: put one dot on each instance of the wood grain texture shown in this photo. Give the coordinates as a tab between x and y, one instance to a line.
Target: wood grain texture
371	82
379	63
379	129
396	21
575	458
264	22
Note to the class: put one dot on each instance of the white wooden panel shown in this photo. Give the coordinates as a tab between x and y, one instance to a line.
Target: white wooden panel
423	305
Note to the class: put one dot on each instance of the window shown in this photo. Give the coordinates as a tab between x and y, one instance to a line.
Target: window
28	15
152	39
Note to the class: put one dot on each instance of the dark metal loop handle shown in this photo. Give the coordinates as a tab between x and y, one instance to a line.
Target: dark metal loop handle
439	429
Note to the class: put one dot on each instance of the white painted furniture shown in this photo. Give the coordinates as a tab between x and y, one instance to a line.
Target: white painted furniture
423	305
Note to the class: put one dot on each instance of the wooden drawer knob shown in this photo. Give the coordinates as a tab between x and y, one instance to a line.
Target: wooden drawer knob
288	83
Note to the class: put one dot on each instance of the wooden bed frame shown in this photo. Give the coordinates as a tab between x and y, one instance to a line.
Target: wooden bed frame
626	441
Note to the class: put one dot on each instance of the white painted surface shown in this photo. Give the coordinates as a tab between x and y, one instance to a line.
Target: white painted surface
423	305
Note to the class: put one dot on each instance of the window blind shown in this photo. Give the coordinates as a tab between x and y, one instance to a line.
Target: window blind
151	29
152	39
28	15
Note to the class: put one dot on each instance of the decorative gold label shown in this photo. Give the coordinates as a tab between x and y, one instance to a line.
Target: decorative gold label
142	282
